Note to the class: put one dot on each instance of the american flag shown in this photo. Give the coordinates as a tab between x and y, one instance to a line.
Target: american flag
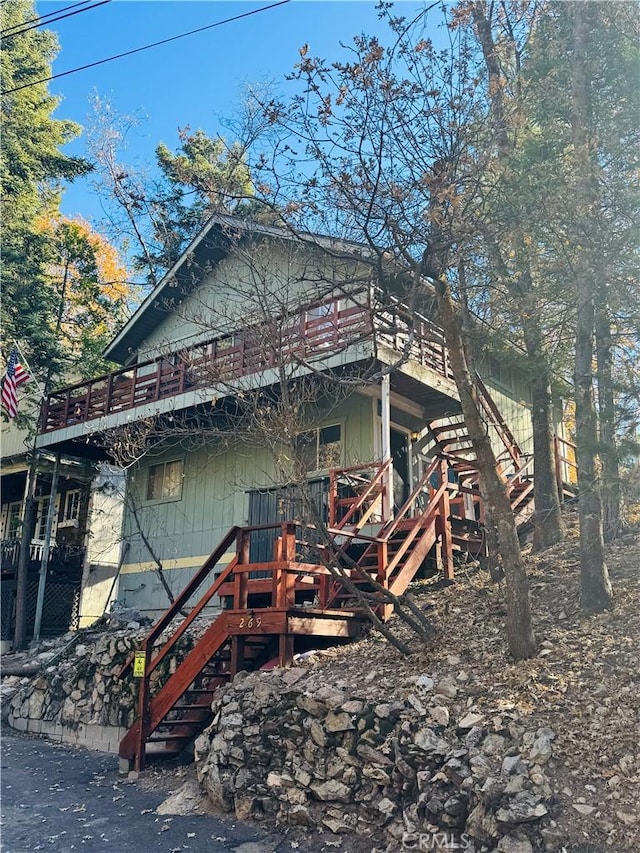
15	376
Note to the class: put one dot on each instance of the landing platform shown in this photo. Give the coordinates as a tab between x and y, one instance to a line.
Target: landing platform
294	621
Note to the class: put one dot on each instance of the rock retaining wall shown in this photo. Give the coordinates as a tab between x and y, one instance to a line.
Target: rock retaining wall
286	747
80	699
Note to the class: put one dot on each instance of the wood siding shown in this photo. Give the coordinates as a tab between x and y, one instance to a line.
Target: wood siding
215	496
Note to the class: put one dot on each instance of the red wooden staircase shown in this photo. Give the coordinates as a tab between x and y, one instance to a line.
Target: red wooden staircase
393	556
305	594
258	627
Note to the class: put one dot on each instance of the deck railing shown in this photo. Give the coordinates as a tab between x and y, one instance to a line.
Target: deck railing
304	337
63	558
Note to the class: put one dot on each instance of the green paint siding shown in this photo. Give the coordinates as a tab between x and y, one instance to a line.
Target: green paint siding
514	405
144	591
215	485
243	289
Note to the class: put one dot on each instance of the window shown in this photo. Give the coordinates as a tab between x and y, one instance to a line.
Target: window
71	509
319	311
13	523
165	481
321	449
228	342
42	509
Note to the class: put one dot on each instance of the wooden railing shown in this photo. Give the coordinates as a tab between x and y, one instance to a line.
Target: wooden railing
356	494
235	577
494	418
566	460
61	557
225	359
415	519
414	336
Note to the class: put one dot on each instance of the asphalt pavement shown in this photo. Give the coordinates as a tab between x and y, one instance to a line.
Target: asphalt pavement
63	799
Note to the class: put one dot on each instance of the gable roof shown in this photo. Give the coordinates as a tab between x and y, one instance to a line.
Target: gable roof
211	245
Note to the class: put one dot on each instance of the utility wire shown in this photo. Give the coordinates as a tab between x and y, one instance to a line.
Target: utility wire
52	20
42	17
42	21
144	47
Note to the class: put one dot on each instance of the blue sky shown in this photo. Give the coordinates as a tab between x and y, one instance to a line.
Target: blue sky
196	81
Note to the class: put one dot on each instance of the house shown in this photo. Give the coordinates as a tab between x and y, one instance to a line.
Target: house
84	542
280	406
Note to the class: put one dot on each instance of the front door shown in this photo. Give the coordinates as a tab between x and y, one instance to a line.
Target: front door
267	506
400	459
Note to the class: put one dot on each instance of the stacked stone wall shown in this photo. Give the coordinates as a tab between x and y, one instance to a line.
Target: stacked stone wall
80	699
285	747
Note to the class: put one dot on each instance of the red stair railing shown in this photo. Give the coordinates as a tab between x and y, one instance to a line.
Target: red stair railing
359	501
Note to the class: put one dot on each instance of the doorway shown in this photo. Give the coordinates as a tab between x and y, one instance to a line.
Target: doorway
399	441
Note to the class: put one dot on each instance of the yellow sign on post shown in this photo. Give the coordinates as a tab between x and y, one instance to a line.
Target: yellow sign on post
139	660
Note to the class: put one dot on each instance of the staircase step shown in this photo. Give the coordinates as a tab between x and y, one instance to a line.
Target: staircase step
157	737
197	690
438	427
185	721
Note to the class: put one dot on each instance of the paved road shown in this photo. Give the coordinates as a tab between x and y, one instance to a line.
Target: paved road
63	800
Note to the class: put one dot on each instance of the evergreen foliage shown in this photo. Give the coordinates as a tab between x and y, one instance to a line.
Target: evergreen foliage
56	302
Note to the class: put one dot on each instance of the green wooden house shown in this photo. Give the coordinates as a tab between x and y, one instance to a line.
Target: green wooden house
284	402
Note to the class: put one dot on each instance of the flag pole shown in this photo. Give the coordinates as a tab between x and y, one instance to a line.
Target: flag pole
41	388
29	519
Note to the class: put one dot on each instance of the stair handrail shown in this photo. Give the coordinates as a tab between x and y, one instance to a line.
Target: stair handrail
389	529
387	532
499	424
378	478
563	458
519	472
170	613
430	509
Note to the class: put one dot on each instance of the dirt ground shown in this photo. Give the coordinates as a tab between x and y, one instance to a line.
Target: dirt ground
584	683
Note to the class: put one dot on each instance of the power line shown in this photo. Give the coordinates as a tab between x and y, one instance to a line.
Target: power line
144	47
42	23
42	17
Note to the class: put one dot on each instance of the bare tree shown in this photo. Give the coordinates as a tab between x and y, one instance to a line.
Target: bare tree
393	138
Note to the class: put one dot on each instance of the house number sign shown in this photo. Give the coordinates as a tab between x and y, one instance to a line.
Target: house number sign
139	660
250	621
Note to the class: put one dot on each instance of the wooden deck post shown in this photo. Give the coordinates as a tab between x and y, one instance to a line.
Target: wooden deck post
333	495
237	655
387	493
109	394
289	542
279	591
558	464
240	590
381	577
444	513
285	650
323	591
143	713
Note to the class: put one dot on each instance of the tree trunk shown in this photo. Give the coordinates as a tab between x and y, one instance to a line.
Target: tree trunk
520	637
549	526
606	405
596	594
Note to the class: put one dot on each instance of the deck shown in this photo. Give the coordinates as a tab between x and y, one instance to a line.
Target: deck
227	359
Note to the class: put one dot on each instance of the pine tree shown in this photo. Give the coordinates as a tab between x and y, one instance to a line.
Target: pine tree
31	166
